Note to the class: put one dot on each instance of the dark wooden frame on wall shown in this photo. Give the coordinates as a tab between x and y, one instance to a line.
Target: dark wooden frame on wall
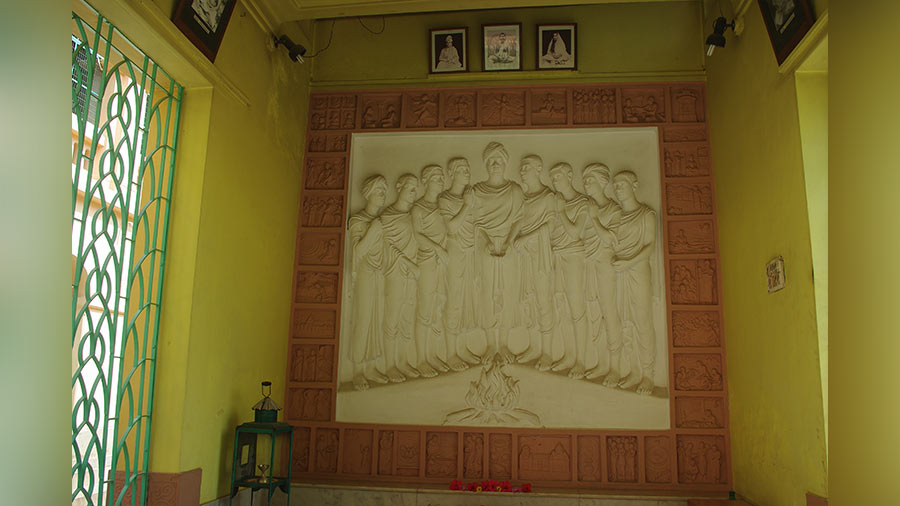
784	43
207	43
573	46
484	46
463	50
326	450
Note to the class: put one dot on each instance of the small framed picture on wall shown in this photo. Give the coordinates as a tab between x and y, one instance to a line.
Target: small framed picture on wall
204	23
502	47
448	50
556	47
787	22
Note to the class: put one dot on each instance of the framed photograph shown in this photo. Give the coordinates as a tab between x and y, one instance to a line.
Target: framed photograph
502	47
448	50
556	47
787	22
204	22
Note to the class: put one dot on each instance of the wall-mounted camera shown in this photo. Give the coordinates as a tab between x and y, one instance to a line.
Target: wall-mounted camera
295	51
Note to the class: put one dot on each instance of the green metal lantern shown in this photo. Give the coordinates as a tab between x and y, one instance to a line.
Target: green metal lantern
266	411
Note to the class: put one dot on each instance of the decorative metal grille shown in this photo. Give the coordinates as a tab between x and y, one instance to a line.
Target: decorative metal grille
125	114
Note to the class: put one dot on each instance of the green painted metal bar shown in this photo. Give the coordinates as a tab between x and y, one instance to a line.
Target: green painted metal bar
124	169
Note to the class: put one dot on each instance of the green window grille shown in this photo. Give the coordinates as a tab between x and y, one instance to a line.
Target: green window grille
125	114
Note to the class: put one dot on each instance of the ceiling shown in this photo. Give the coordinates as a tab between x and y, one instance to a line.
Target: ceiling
294	10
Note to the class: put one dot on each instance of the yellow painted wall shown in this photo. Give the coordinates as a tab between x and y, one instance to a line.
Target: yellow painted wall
777	420
624	41
864	242
228	286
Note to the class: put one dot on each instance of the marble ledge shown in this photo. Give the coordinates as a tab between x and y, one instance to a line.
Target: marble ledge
342	495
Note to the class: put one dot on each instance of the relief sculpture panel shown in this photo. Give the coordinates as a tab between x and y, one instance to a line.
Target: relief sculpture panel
685	199
503	109
643	105
386	452
314	323
694	236
548	107
658	459
440	454
357	451
322	211
309	404
590	459
336	112
701	459
407	453
300	458
473	455
508	265
699	412
545	458
687	160
327	450
688	105
696	329
381	112
698	372
423	110
327	143
325	173
684	133
500	456
317	287
594	106
460	110
311	362
694	282
622	459
319	248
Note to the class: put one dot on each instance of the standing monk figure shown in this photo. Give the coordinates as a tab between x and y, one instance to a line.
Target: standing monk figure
635	241
601	278
431	235
533	245
566	240
498	212
400	273
367	279
461	312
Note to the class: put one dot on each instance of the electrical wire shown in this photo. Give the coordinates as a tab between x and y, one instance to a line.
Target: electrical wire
330	36
379	32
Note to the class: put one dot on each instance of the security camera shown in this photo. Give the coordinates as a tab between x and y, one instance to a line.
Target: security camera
295	51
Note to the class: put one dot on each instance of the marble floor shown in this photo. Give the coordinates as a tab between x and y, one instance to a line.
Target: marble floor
327	495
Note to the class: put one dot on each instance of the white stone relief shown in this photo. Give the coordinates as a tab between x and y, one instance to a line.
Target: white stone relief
483	282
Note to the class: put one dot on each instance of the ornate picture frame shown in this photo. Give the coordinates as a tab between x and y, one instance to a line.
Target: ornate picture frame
448	50
204	23
556	47
787	21
501	47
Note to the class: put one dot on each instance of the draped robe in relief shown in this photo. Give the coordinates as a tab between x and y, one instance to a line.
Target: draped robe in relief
568	257
461	309
368	286
631	235
399	279
601	278
497	209
432	287
536	258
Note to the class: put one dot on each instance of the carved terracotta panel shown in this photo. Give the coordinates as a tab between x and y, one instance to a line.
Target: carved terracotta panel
325	173
658	459
407	453
300	459
335	112
643	105
686	198
701	459
357	451
548	107
694	282
326	450
699	412
688	104
460	109
327	143
386	452
309	404
589	459
381	111
545	458
317	287
311	362
441	450
622	459
698	372
319	248
594	105
314	323
684	133
502	109
500	456
473	455
686	160
422	110
696	329
322	211
691	237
